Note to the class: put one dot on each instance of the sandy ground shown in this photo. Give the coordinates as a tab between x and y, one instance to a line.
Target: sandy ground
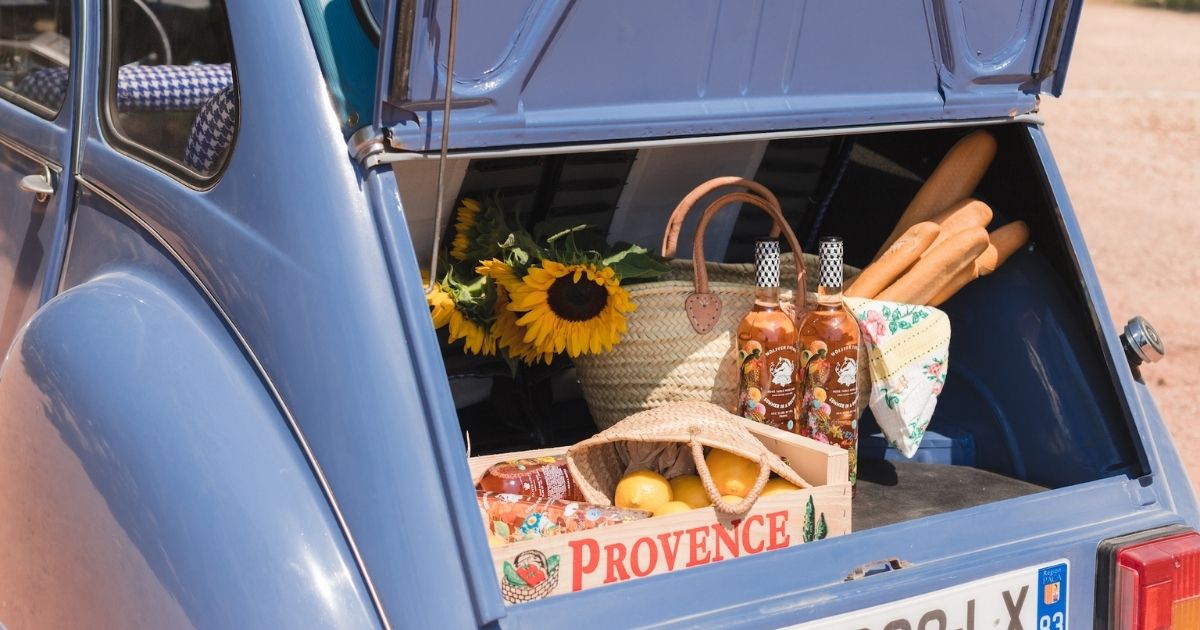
1126	134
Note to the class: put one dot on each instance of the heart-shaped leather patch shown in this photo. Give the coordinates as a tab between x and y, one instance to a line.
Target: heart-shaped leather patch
703	311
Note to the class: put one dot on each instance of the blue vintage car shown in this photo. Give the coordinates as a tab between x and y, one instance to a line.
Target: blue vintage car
222	404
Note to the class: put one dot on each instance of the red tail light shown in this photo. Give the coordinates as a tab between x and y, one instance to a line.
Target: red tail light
1156	582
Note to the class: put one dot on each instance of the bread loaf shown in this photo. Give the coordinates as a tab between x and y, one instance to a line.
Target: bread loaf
987	261
1001	244
939	268
965	214
906	251
959	281
955	178
1009	239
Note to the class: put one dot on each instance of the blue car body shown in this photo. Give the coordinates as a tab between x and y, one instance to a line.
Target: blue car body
222	402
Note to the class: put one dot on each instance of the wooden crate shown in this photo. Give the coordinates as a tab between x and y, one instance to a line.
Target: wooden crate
639	549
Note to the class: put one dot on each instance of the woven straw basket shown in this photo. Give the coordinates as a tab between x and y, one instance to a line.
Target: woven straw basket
664	357
596	465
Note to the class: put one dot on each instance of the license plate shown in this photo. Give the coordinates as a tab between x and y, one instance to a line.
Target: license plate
1033	598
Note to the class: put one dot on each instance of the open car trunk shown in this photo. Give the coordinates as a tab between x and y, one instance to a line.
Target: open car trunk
1040	448
1032	402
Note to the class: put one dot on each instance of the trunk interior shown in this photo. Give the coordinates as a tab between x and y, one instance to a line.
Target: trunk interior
1030	403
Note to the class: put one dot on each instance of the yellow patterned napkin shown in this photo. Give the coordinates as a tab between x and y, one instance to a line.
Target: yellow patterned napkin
909	351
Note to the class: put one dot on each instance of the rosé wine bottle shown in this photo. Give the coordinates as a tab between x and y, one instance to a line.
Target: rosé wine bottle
828	409
766	346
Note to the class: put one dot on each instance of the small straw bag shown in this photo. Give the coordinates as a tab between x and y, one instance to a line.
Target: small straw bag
596	464
680	341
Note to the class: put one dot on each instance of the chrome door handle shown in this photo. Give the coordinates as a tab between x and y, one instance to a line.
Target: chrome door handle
40	184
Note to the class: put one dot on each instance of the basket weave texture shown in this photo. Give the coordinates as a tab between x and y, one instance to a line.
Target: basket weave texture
596	464
661	359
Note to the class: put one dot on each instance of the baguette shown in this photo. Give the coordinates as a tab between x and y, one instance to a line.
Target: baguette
895	261
954	178
965	214
938	269
1002	243
959	281
987	261
1008	239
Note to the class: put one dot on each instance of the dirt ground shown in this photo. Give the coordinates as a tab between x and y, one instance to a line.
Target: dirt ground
1126	135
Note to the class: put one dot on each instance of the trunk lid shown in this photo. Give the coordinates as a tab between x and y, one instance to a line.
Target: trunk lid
559	71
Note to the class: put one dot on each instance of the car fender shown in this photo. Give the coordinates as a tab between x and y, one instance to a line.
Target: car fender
147	478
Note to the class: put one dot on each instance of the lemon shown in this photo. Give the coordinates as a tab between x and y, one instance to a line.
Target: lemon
642	490
732	500
496	541
731	473
690	490
672	507
778	486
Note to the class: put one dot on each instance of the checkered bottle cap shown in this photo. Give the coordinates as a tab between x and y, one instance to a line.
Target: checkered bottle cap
766	263
831	262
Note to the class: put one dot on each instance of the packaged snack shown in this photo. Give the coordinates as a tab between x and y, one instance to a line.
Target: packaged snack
540	477
516	518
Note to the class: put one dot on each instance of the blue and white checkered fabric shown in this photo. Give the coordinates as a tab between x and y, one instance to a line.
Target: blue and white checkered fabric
212	132
139	88
47	86
160	88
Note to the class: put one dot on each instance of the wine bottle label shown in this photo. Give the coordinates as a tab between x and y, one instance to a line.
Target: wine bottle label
843	381
768	384
829	405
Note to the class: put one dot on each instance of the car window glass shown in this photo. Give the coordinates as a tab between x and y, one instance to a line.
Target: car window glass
377	8
35	52
171	82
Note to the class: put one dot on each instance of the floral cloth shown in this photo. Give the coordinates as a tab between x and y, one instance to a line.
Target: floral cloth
909	351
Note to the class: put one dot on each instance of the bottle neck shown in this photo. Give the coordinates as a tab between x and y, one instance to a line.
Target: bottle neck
767	295
829	295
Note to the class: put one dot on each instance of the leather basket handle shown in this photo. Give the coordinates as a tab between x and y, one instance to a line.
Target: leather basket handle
703	308
675	223
719	504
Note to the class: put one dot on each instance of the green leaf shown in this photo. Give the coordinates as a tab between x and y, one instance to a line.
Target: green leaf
551	564
635	262
822	528
517	258
501	529
510	574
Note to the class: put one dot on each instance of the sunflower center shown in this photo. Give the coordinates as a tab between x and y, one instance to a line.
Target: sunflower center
576	301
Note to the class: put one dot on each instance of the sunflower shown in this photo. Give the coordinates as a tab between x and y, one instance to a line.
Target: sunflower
574	307
509	336
478	338
466	221
500	271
